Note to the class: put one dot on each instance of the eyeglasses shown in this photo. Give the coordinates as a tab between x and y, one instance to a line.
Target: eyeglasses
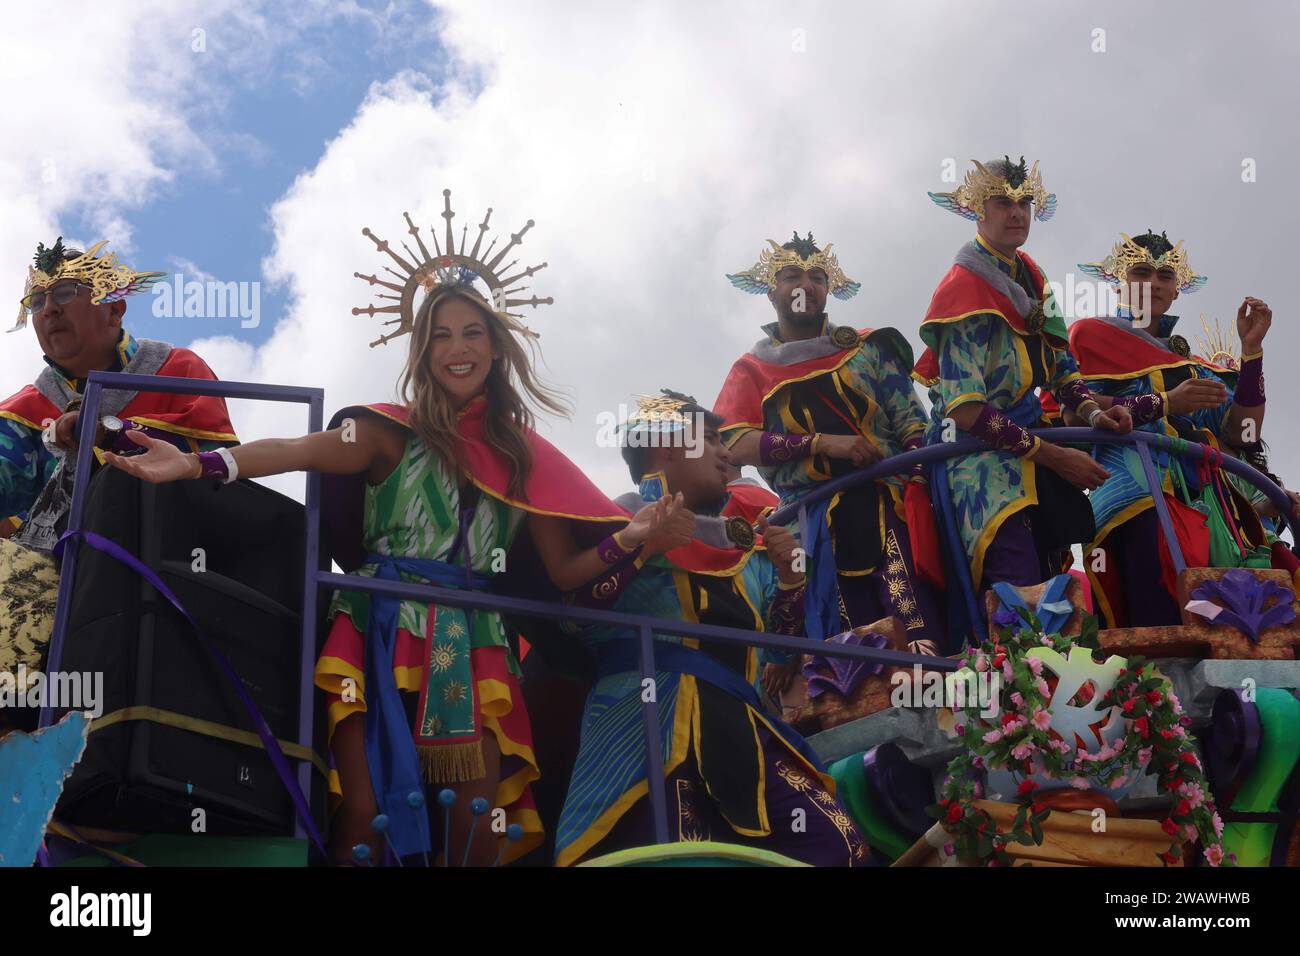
34	302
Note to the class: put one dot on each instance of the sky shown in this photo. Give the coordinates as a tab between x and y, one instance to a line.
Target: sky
656	146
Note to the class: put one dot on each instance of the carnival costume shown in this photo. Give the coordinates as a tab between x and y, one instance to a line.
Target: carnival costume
734	772
841	382
36	479
1137	365
433	679
994	335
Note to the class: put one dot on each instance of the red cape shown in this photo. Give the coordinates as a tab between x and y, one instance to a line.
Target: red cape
1106	351
554	486
962	293
751	382
192	416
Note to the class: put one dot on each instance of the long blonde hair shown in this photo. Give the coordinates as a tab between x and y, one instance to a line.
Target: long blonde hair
507	418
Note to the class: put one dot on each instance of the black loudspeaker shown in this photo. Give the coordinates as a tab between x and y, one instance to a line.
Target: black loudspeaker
233	555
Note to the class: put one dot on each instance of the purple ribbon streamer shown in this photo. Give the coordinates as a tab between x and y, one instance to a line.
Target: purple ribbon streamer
278	760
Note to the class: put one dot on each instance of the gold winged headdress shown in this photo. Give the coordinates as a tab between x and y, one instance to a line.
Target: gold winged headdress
1009	179
1155	251
109	280
449	265
760	278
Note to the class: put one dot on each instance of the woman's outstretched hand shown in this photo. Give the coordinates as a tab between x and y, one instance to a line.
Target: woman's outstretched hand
162	462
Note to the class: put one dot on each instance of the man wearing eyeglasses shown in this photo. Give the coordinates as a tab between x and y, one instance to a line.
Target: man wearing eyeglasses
76	301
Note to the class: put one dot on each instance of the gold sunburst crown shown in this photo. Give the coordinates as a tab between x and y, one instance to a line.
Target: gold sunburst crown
1219	346
449	265
1126	254
109	279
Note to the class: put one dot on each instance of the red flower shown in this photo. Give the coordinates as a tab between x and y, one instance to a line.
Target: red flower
1187	757
1008	718
1144	728
1153	697
954	812
1169	858
1183	808
1038	808
997	661
1128	706
1027	787
1170	827
1167	734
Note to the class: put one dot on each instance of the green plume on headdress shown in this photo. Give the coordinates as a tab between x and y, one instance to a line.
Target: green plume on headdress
803	247
48	260
1015	174
1156	245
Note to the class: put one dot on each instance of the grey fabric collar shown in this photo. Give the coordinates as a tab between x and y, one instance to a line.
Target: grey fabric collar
792	353
148	359
972	260
711	529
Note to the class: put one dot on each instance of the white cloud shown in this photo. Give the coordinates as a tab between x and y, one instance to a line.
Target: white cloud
657	146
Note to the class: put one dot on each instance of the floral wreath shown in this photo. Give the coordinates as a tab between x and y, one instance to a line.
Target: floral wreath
1018	739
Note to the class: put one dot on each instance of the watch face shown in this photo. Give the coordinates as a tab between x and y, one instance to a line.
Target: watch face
111	423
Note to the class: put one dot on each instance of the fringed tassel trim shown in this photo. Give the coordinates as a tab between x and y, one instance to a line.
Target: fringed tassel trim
452	763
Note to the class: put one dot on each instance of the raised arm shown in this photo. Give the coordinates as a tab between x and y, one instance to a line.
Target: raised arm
370	447
656	528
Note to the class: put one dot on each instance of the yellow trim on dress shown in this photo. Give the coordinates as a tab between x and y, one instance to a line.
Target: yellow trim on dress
182	430
963	398
990	530
1128	513
687	695
14	416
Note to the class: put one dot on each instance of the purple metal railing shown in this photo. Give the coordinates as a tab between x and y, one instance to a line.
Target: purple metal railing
644	626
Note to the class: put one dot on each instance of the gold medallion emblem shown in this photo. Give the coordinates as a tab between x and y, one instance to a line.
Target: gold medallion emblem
740	532
1179	345
1036	321
843	337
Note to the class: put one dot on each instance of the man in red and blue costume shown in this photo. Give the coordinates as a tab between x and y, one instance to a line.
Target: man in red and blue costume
813	401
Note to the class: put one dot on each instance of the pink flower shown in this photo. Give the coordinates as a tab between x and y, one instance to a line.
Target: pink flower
1218	824
1173	699
977	762
1120	744
1214	854
1007	673
1194	794
1021	751
1189	832
978	791
1042	719
1119	781
993	736
1043	688
961	729
1035	666
1060	746
1017	699
981	663
1079	783
1144	756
